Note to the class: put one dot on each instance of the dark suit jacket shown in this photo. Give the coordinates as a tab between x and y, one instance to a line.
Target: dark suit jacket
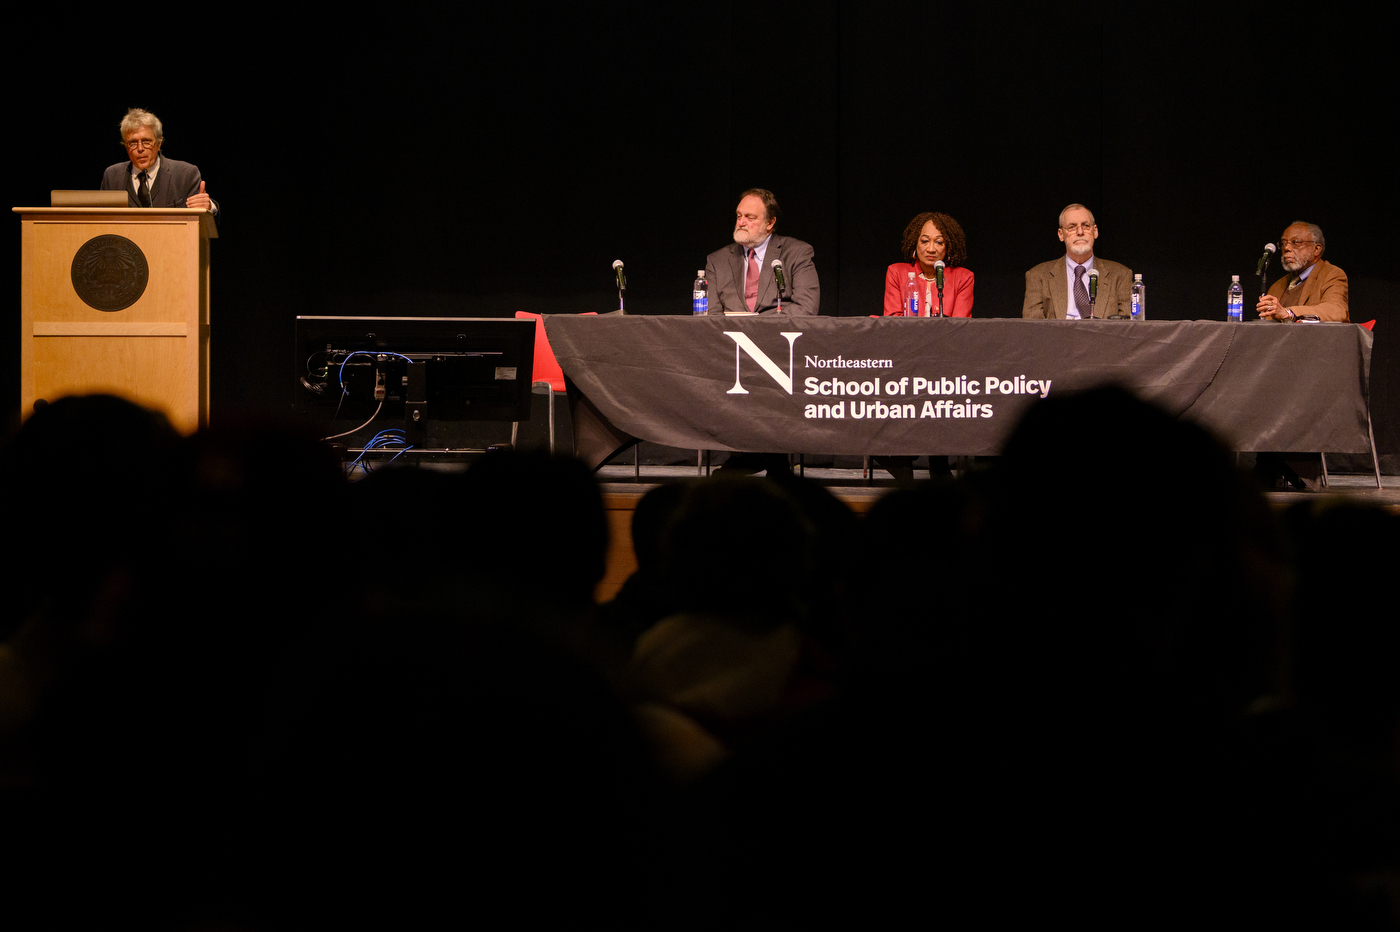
175	182
1047	290
724	269
1324	293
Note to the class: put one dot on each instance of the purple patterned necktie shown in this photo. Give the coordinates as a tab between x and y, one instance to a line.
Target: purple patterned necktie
1081	293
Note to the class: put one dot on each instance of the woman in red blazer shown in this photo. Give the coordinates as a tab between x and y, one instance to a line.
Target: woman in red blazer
928	238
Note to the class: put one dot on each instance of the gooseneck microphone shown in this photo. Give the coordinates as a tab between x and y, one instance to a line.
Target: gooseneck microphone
938	280
1262	269
621	283
1269	250
778	274
1093	291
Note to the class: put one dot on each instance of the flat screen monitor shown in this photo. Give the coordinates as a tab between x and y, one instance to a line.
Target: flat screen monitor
417	373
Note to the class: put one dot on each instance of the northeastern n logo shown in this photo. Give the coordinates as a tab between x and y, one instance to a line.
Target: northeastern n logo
109	272
742	342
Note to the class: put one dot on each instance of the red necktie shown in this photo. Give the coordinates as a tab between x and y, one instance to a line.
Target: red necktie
751	281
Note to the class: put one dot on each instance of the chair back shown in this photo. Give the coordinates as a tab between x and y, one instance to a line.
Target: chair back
546	366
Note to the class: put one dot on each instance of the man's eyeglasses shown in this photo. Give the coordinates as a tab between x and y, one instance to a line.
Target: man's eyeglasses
140	143
1078	228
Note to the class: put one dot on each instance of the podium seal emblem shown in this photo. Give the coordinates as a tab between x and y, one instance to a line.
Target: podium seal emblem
110	272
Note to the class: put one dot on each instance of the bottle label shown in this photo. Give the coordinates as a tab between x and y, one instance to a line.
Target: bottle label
701	303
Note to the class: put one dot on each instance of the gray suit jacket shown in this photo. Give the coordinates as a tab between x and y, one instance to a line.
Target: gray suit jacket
1047	290
174	182
724	270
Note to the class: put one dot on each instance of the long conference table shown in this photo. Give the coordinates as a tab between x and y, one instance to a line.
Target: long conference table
890	385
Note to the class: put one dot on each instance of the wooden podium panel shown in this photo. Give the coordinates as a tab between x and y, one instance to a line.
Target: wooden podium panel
154	351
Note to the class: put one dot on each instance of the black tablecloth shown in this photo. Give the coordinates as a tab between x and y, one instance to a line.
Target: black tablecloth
953	386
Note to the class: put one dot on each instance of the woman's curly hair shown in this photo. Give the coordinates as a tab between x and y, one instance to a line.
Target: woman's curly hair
953	238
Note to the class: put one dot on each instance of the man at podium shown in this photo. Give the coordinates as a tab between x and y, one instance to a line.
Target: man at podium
150	179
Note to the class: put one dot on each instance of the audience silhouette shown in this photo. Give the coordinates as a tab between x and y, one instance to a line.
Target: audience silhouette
1100	678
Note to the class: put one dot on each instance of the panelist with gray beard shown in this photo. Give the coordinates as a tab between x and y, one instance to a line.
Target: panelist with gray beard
1313	287
743	277
1062	289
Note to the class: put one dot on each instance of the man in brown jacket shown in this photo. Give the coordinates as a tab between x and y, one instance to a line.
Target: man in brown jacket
1312	287
1059	289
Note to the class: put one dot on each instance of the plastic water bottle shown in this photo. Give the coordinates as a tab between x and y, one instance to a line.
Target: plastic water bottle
1139	304
701	295
911	297
1235	313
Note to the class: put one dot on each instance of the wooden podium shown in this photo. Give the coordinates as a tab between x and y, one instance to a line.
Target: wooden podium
116	300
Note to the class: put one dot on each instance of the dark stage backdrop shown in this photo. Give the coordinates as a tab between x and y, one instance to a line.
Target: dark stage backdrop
498	162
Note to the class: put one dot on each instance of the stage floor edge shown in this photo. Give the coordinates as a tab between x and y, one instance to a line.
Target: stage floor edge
621	492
